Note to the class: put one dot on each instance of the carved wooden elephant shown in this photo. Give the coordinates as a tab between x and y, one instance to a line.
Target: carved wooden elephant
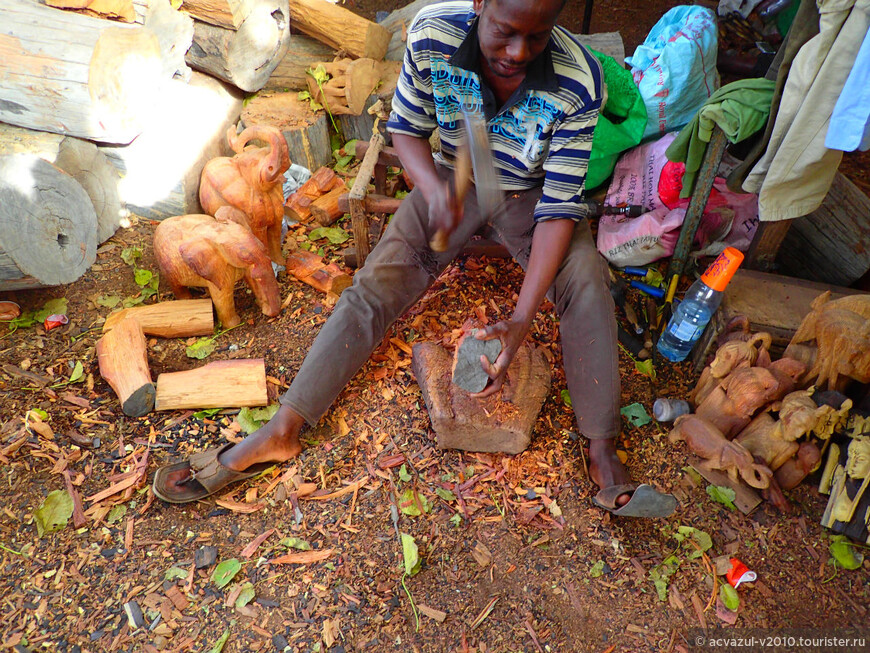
252	181
214	253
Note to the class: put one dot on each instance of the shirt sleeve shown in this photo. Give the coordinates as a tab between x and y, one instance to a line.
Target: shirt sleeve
566	164
413	111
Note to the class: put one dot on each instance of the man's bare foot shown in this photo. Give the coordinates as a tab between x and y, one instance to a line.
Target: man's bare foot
276	441
605	468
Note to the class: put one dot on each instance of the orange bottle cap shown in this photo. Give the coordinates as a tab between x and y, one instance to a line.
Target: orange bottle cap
723	268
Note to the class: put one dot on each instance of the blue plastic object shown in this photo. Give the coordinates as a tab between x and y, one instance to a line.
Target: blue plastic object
640	272
658	293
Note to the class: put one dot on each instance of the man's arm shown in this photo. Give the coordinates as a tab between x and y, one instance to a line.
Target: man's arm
416	156
550	243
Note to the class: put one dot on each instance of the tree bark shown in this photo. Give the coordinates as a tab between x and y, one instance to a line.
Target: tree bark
305	130
340	28
79	159
48	228
181	318
244	57
222	384
77	75
303	52
123	361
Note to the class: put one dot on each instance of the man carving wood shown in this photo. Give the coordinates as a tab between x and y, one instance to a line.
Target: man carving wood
539	92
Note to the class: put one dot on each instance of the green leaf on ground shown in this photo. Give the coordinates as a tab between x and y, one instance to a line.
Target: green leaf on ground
636	414
219	645
447	495
411	555
174	573
456	519
51	307
77	373
302	96
646	368
295	543
723	495
142	277
336	235
845	553
730	597
411	502
701	542
654	277
246	595
130	255
566	398
250	419
208	412
597	569
53	513
403	474
116	514
225	572
109	301
200	349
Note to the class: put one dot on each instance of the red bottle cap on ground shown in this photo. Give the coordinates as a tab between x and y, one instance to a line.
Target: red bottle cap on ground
723	268
739	573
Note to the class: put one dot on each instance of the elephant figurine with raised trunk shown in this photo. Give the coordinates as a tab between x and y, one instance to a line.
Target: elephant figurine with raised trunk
252	181
214	253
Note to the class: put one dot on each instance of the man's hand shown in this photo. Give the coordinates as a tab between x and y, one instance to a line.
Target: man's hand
511	334
445	212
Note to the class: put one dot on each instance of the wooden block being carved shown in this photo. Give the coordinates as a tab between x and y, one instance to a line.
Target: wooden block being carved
323	181
502	422
173	319
325	209
222	384
309	268
123	361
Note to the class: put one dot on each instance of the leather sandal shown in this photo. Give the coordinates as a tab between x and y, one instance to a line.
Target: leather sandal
645	501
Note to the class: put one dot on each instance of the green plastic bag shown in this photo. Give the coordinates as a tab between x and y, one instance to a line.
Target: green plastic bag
621	122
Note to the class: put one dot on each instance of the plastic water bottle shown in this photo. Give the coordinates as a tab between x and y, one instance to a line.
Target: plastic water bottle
693	314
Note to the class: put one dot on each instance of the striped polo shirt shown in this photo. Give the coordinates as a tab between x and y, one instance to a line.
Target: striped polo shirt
543	134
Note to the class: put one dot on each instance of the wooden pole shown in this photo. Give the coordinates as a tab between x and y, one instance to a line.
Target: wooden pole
123	361
48	227
222	384
181	318
356	199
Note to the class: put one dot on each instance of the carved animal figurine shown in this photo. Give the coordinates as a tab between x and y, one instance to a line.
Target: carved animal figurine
215	253
795	469
841	331
775	440
731	405
252	181
708	442
730	356
788	372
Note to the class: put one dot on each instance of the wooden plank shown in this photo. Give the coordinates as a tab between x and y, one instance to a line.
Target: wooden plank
746	499
832	244
222	384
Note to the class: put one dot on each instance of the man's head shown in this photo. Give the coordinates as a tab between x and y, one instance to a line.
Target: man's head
513	32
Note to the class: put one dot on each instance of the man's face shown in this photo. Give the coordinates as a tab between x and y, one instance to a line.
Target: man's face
513	32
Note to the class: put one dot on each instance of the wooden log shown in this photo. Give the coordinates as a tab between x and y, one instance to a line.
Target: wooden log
181	318
374	203
397	23
356	199
223	13
340	28
123	361
324	180
48	227
306	130
832	244
222	384
96	79
122	9
161	169
83	162
303	53
310	268
325	209
244	57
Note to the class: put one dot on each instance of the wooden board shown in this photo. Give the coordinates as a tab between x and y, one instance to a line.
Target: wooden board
222	384
832	244
746	498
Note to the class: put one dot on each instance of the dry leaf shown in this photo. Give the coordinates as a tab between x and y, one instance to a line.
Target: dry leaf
481	555
302	558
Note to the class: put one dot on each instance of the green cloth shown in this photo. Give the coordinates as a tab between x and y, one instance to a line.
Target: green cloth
740	109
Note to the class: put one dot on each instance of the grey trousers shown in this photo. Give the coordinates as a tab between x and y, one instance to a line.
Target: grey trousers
401	268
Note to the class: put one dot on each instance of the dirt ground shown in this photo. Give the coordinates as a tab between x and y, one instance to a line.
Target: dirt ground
514	557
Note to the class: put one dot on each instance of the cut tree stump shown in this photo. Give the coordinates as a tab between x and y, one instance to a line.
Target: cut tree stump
100	80
48	227
123	361
309	268
244	57
181	318
161	169
303	52
83	162
222	384
502	422
340	28
306	131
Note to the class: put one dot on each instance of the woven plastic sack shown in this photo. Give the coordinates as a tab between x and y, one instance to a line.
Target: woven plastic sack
675	67
621	122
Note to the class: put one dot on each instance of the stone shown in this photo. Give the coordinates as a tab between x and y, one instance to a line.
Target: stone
468	373
502	422
205	556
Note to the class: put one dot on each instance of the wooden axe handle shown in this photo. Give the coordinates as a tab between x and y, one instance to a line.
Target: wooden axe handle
461	184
